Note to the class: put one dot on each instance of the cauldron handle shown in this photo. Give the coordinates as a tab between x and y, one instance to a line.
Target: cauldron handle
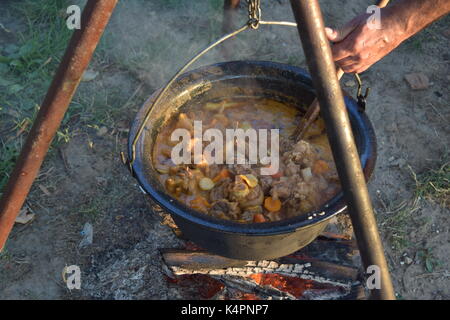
250	25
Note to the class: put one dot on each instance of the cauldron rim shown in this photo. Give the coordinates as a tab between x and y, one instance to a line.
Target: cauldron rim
329	210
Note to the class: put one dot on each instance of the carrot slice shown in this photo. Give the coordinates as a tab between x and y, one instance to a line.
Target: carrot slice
320	167
224	173
272	205
259	218
199	203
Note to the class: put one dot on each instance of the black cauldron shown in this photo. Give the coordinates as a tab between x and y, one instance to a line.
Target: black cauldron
233	79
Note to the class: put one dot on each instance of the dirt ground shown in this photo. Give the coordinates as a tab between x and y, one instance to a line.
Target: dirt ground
83	180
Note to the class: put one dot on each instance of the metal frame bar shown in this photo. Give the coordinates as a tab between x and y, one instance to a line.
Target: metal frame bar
76	59
329	93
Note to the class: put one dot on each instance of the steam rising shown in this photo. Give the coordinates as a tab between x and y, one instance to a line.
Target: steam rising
154	39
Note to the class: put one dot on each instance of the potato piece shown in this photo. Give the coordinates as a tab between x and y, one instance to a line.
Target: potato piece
306	174
206	184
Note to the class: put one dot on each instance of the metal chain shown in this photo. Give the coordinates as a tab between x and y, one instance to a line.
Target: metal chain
254	13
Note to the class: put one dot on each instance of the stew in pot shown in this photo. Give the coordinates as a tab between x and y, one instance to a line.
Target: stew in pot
304	180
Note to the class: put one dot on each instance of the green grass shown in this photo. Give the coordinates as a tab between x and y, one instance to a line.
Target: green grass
26	70
5	256
434	184
428	259
396	221
27	66
92	209
41	46
398	218
8	156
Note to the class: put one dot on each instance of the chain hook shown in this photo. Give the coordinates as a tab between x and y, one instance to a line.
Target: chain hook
254	13
362	99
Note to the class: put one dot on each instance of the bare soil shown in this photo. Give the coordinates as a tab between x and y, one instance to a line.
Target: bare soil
83	180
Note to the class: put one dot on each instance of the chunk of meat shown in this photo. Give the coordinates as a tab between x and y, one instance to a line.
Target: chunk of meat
308	191
301	154
249	213
220	191
239	169
212	170
266	183
322	183
302	147
302	189
292	169
297	206
225	209
285	144
274	216
254	198
283	188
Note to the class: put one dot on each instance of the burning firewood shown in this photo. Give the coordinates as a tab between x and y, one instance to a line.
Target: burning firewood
323	270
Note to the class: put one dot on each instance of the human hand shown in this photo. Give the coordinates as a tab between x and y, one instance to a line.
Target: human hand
357	46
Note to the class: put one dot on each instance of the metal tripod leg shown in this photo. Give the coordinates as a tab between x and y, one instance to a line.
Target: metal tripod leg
75	61
323	71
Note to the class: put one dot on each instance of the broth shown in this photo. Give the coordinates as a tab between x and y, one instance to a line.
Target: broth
305	181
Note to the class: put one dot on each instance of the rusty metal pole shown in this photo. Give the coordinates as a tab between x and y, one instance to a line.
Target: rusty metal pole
229	13
76	59
323	71
230	10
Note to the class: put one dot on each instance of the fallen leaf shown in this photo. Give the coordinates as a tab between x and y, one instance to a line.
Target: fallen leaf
89	75
429	265
24	216
88	234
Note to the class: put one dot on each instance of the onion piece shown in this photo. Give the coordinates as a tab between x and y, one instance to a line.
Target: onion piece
163	169
206	184
239	190
306	174
250	179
